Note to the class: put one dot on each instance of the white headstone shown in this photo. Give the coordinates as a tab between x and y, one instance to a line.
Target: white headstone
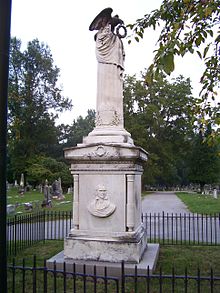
215	194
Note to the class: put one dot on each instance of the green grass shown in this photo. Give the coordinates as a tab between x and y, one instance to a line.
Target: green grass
36	198
177	257
201	204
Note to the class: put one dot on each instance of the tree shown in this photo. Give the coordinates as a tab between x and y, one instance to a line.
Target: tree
39	168
73	134
35	98
160	119
187	26
204	160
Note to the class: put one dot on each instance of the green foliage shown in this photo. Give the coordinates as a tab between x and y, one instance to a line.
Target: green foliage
204	160
39	168
73	134
186	26
201	204
160	118
34	96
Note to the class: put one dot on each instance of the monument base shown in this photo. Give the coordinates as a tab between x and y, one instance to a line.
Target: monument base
112	135
147	264
116	247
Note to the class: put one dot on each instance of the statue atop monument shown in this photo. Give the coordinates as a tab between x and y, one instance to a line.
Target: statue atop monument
109	47
110	56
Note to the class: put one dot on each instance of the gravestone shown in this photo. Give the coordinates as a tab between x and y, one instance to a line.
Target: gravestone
56	190
47	196
69	190
215	193
21	188
11	209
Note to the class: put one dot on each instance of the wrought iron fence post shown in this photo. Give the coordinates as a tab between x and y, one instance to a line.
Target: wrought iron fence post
15	236
163	226
44	224
122	277
34	275
211	281
45	276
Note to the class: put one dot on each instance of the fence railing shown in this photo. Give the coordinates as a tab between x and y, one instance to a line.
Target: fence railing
186	229
36	278
25	230
192	229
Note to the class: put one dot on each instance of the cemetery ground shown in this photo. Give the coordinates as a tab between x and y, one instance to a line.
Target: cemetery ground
195	202
173	259
35	198
200	203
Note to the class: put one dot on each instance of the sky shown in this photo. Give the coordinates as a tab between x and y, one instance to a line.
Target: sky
64	27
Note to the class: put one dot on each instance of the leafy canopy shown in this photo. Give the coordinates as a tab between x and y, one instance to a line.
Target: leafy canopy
35	99
186	26
160	119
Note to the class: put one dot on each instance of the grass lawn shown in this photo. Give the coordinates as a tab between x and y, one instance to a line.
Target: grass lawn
201	204
177	257
36	198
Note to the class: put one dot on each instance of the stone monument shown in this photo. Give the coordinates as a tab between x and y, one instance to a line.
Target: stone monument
22	188
107	166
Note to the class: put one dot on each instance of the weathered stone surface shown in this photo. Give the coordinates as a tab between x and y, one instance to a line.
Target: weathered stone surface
145	266
114	221
112	251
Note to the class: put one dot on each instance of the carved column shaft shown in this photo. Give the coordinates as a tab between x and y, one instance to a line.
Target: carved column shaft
109	107
130	202
76	202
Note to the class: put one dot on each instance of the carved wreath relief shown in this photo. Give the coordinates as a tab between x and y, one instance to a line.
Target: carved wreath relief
100	152
101	206
113	121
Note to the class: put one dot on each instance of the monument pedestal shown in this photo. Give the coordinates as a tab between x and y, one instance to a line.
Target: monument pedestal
107	203
146	265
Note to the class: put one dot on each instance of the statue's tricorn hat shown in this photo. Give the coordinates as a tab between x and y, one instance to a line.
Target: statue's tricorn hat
96	24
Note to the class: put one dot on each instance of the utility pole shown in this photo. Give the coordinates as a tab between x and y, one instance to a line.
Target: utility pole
5	24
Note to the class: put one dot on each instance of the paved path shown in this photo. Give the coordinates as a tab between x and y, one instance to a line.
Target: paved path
163	201
185	227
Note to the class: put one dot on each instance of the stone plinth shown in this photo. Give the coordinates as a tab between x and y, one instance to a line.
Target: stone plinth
107	203
147	264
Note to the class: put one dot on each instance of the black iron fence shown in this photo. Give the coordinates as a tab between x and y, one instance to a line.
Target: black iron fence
25	230
186	229
35	278
191	229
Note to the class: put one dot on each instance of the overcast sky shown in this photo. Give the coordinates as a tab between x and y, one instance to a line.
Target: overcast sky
63	26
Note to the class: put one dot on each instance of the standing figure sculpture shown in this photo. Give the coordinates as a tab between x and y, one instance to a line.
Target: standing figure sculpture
110	56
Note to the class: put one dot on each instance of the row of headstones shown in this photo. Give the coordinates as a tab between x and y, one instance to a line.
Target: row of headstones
210	190
50	191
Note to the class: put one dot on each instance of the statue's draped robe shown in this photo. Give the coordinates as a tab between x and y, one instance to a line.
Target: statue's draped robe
110	57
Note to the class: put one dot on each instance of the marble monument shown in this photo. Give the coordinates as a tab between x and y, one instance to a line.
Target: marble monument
107	166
